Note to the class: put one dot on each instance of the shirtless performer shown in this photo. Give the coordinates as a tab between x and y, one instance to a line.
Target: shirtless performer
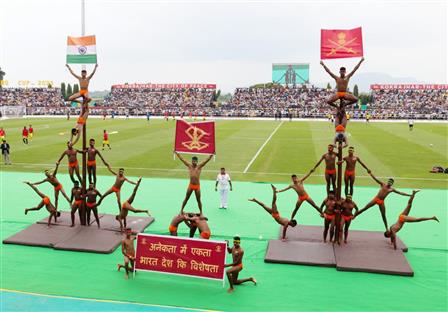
237	265
91	204
84	81
274	212
91	161
77	196
51	178
120	179
330	167
128	251
127	206
329	215
195	172
385	190
77	130
402	219
349	174
198	221
45	202
178	219
72	161
347	207
341	87
297	185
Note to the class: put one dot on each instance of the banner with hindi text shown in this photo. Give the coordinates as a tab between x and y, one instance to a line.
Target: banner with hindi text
181	256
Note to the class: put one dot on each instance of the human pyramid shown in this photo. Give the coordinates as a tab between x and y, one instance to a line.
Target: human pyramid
78	195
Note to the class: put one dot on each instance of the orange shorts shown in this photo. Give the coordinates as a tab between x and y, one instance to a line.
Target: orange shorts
238	266
340	128
275	215
330	171
205	235
115	189
73	164
90	205
347	218
91	163
341	94
58	187
379	201
83	92
304	197
194	187
402	218
329	217
81	121
78	202
46	200
172	228
349	173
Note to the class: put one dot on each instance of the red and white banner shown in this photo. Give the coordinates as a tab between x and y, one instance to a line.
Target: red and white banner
181	256
195	137
165	86
409	87
340	43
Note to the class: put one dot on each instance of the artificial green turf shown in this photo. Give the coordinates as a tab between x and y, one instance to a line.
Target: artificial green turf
280	288
143	148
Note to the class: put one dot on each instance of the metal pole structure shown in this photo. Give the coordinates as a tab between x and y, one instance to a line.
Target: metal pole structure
338	230
82	210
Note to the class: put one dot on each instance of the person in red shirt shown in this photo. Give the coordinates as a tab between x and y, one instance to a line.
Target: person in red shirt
2	134
30	133
106	139
25	135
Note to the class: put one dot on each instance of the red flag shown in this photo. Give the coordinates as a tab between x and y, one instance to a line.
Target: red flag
340	43
195	137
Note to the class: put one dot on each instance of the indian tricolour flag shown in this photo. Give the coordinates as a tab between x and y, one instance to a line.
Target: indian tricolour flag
81	50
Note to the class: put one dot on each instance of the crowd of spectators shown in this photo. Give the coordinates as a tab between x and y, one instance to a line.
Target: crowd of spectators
293	102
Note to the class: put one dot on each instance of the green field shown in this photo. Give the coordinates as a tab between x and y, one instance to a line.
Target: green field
146	150
389	149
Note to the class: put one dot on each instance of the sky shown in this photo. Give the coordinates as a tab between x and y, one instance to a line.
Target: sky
230	43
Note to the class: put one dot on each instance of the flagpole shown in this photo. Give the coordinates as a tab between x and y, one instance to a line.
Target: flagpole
82	211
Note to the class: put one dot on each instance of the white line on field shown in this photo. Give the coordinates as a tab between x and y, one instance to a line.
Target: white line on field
236	172
261	148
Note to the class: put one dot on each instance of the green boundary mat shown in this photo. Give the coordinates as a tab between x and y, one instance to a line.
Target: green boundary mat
280	287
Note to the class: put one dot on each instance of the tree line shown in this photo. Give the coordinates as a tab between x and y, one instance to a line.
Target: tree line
68	91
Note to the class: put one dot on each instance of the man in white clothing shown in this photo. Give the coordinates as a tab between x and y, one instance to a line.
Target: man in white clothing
223	180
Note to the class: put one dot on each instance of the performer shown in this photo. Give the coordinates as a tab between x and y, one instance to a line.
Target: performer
91	161
45	201
25	135
297	185
330	167
385	190
30	133
342	84
347	207
198	221
195	172
120	179
73	165
275	214
329	215
223	180
91	204
80	122
77	196
128	251
402	219
106	139
349	175
84	81
178	219
2	134
237	265
127	206
51	178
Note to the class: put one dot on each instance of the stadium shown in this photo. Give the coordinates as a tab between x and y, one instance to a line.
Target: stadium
262	128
